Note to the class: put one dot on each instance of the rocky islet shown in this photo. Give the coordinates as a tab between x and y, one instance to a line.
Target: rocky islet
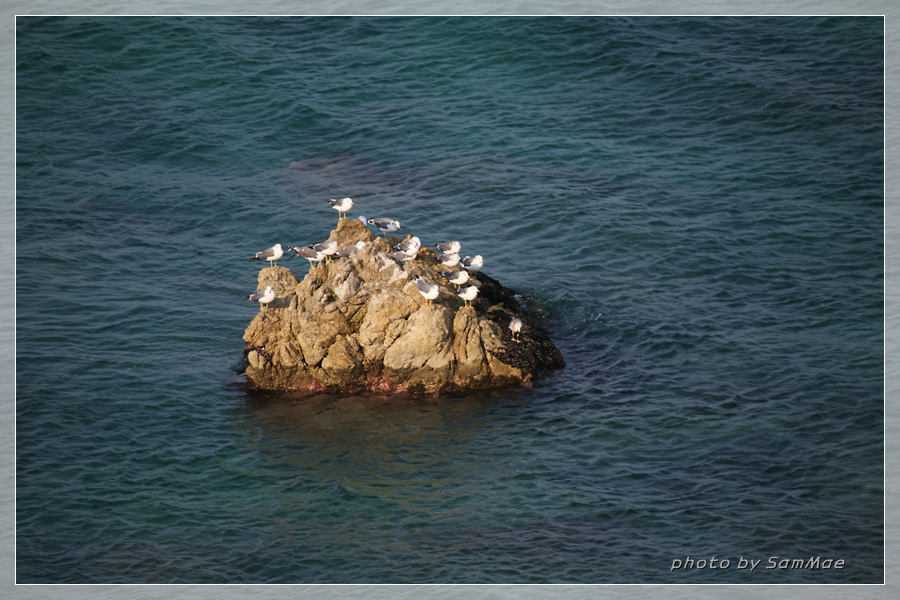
359	323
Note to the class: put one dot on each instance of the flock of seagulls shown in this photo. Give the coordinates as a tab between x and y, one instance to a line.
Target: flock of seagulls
402	252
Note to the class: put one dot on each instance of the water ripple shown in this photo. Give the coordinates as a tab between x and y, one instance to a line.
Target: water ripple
693	205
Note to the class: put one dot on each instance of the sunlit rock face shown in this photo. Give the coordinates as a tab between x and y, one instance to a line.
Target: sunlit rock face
360	323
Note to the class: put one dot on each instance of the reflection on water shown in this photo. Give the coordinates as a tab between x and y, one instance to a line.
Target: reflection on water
422	455
404	480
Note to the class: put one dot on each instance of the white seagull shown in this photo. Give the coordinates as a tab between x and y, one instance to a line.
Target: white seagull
308	253
410	246
271	255
345	252
327	248
468	294
515	326
457	278
429	291
263	296
385	226
472	264
448	260
342	206
449	247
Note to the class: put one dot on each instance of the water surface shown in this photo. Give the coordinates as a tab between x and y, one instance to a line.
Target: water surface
695	204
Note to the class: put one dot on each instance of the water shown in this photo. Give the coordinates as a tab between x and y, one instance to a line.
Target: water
695	204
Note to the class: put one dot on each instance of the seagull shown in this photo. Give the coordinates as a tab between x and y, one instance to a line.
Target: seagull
473	264
515	326
351	249
429	291
468	294
457	278
402	256
342	206
263	296
271	255
327	248
386	226
448	260
410	246
308	253
449	247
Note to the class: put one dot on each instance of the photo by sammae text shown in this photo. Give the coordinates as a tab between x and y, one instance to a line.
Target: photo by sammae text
757	564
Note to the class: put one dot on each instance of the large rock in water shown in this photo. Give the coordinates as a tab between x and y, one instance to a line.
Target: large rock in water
359	323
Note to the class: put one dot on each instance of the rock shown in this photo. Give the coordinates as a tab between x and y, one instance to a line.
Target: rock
359	323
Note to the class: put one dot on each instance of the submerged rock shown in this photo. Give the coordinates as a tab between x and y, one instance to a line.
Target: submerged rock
359	323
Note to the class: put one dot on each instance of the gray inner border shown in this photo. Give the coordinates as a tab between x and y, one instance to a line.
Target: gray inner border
11	8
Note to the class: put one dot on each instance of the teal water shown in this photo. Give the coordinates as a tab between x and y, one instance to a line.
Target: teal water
695	205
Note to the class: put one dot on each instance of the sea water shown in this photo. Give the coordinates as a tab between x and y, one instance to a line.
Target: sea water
694	205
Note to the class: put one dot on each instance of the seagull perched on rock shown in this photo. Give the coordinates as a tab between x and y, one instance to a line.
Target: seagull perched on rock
429	291
402	256
515	326
271	255
457	278
385	226
263	296
410	246
449	247
342	206
468	294
308	253
448	260
345	252
327	248
472	264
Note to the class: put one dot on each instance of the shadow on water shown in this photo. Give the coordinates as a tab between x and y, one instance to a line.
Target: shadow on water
400	448
360	420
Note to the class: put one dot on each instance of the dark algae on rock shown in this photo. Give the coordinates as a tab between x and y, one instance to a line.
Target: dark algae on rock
360	323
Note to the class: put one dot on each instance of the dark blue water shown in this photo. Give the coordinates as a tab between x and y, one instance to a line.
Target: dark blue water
694	203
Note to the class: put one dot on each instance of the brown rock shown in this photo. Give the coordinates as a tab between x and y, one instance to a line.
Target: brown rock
359	323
